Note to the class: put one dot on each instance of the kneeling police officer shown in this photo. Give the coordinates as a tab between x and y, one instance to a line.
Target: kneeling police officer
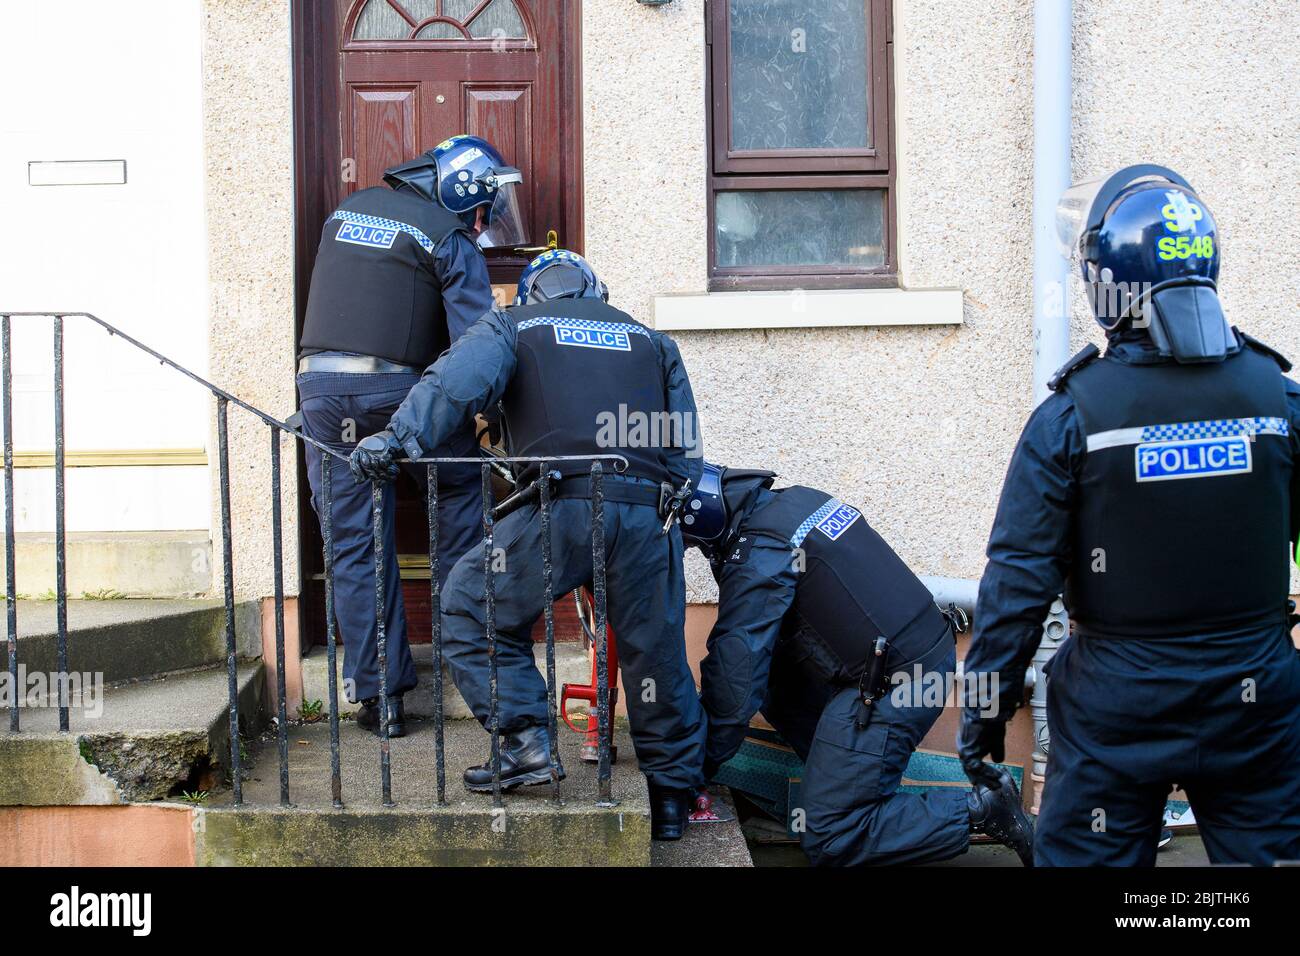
553	366
399	276
823	628
1158	485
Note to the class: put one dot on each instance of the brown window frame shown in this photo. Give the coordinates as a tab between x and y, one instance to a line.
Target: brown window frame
787	169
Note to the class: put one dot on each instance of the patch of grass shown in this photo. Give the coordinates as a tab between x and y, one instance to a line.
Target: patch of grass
310	711
50	595
195	797
103	594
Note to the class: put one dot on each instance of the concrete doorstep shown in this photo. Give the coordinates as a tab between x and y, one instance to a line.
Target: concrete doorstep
531	830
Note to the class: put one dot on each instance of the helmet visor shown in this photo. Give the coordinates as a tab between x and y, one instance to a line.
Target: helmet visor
505	226
1072	215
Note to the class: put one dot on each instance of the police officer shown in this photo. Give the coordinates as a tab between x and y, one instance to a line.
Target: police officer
1156	485
824	628
399	276
557	366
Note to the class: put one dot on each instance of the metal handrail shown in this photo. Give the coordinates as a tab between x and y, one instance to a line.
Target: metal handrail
328	458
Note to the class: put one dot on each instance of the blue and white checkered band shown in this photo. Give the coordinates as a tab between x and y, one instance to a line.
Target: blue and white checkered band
1185	431
589	333
831	519
375	231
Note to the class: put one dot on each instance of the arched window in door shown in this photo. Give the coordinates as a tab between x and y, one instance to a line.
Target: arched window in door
440	20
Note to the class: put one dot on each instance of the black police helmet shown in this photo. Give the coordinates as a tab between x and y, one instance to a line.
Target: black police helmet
1149	255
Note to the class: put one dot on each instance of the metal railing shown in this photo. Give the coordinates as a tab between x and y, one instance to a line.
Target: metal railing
329	458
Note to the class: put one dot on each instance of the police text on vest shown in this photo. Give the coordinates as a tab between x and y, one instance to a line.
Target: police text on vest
1194	458
838	521
615	340
377	237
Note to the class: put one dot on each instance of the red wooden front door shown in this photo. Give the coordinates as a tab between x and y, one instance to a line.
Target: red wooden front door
381	81
414	72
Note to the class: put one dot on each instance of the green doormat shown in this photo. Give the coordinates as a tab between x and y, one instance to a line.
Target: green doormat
768	772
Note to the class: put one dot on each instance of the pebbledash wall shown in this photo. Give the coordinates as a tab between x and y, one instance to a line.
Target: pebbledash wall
248	149
915	423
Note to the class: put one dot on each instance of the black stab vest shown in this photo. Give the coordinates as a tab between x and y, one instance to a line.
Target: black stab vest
852	587
1184	514
589	381
373	288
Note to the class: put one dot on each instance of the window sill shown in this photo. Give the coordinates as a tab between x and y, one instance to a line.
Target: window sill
801	309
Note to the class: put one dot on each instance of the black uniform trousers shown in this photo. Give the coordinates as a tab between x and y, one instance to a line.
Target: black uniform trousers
1216	714
854	813
338	410
647	608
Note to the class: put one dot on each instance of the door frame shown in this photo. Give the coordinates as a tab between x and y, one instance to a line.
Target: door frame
317	163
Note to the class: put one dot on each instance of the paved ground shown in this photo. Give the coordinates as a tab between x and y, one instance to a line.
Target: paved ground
413	762
708	844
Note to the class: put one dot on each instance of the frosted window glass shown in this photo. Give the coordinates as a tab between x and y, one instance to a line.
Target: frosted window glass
458	9
499	19
439	31
381	21
800	227
798	74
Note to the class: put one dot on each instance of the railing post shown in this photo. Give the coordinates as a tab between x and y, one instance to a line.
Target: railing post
603	716
60	527
277	549
228	569
548	596
331	629
490	631
381	640
11	555
435	603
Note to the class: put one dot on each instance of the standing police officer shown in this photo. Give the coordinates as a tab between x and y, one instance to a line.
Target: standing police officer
399	276
559	364
1158	486
824	628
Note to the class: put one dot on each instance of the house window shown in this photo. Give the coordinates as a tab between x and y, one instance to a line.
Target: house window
801	185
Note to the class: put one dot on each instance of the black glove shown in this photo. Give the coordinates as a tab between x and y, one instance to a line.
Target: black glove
977	739
372	459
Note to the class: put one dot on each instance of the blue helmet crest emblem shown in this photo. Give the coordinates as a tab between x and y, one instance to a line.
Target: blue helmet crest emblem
559	274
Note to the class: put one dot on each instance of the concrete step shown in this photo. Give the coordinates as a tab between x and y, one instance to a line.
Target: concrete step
532	829
572	665
127	639
137	741
708	844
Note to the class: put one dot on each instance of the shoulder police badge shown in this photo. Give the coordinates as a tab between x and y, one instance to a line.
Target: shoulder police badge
838	521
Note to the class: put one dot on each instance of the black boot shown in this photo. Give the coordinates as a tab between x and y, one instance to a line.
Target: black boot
368	717
998	813
525	760
669	809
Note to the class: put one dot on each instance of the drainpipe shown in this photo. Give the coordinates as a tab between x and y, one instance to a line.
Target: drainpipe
1053	61
959	591
1052	65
